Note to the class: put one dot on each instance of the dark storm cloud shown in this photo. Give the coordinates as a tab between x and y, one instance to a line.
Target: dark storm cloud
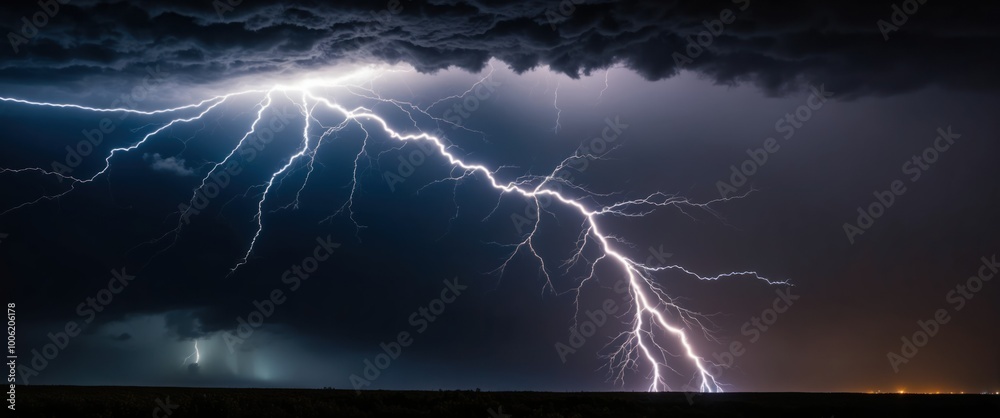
776	45
183	324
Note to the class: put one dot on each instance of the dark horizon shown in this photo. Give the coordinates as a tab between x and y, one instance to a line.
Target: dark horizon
528	391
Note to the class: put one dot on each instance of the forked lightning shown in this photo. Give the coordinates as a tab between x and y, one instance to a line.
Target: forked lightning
654	316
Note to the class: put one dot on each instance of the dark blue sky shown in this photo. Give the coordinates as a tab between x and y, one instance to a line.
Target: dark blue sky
682	132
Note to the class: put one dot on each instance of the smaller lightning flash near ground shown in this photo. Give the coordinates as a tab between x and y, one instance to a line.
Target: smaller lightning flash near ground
655	321
196	354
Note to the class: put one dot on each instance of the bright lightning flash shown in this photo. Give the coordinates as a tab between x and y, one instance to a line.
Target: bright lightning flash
196	354
655	317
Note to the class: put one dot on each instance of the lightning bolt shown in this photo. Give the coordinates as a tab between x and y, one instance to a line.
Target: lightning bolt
654	317
600	95
555	104
196	354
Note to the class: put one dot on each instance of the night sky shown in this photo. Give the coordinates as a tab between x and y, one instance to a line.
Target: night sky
845	153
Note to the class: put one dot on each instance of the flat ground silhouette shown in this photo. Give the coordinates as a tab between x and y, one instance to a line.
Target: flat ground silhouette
113	402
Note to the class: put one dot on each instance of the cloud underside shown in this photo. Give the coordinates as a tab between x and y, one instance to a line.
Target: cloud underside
779	46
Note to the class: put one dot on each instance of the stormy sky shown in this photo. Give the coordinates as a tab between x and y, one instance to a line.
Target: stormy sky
804	114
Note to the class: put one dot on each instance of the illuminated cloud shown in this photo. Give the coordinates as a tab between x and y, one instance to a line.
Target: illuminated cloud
778	47
170	164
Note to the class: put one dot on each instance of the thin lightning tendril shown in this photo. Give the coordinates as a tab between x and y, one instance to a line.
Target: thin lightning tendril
555	104
600	96
654	314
